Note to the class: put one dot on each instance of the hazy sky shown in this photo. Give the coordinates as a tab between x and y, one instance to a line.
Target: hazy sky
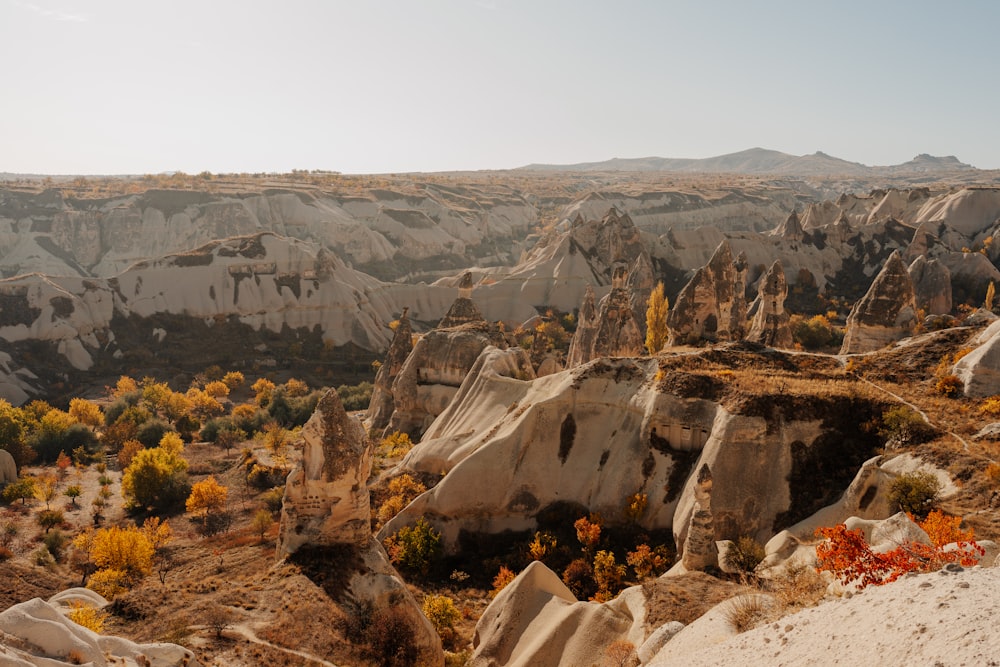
135	86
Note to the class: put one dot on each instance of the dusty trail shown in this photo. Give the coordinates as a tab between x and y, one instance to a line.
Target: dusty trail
246	632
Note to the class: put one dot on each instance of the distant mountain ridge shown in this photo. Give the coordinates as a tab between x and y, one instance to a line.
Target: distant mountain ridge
765	161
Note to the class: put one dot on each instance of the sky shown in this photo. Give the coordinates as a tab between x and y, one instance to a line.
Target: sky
384	86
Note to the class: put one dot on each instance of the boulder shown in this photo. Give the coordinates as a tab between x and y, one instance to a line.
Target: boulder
885	314
712	305
8	469
771	321
381	407
463	310
931	285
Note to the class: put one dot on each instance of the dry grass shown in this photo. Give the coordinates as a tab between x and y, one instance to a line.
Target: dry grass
747	611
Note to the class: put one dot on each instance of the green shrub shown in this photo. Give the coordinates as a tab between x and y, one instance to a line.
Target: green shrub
414	548
915	492
902	426
356	397
152	431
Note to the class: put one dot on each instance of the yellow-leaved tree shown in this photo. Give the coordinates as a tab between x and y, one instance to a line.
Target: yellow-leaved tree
208	497
121	556
656	320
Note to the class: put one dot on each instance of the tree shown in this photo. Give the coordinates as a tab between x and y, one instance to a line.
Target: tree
915	492
656	320
123	555
13	424
262	522
22	489
45	489
414	547
208	497
846	554
73	492
991	292
233	379
156	478
49	519
85	412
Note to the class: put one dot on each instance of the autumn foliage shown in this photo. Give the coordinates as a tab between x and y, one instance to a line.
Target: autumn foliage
847	555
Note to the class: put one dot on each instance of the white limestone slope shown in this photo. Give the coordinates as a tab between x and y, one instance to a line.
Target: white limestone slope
942	618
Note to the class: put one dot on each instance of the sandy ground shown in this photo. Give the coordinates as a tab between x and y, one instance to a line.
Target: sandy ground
946	618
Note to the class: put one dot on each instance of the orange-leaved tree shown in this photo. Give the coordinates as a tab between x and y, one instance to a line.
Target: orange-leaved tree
847	555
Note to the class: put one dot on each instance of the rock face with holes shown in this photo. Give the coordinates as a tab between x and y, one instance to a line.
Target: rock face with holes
326	508
885	314
382	404
712	305
438	364
514	451
771	321
326	497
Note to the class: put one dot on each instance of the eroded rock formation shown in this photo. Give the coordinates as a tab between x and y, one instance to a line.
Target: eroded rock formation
8	469
931	285
712	306
326	497
44	636
699	552
885	314
582	346
326	509
382	405
770	324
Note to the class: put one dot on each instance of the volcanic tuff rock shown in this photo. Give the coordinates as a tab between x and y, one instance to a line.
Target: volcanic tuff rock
262	282
597	433
8	469
931	285
326	497
771	321
37	633
438	364
326	506
885	314
582	346
979	370
713	304
699	551
381	406
536	620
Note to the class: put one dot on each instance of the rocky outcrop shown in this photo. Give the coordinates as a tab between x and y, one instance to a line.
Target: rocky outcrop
618	333
699	551
885	314
326	508
536	620
790	229
8	469
382	405
597	433
582	346
326	497
436	368
770	324
463	310
712	306
37	633
931	285
979	370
